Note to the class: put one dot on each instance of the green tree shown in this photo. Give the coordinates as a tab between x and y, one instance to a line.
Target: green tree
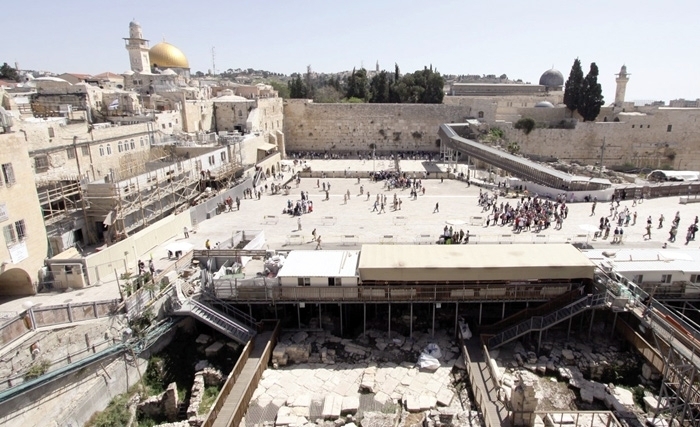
327	94
379	88
526	124
358	85
297	88
8	73
281	88
572	87
591	95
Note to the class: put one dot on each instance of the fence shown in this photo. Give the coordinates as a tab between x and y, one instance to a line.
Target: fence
244	400
37	317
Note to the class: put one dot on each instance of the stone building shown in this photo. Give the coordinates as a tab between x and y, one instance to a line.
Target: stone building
24	246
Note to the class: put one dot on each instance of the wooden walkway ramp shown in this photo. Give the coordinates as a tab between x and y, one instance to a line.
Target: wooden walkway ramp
236	403
483	385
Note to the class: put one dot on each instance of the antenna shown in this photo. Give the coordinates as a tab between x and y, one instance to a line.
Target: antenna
213	61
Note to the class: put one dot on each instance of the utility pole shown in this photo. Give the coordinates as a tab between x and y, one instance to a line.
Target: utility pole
213	61
602	153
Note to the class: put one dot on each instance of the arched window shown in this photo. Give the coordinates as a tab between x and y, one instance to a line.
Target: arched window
120	147
102	150
141	141
133	145
109	149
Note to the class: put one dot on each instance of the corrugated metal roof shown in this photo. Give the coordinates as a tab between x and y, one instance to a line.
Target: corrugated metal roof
320	264
472	262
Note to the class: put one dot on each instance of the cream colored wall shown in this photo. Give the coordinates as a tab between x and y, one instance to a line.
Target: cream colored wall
94	164
198	115
101	265
22	202
353	127
227	115
169	122
639	140
270	115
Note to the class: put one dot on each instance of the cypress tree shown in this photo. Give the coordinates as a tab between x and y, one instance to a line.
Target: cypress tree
573	86
591	95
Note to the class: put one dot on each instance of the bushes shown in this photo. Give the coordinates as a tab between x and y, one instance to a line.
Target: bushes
526	124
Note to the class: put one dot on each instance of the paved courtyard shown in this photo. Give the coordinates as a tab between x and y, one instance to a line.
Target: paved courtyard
346	225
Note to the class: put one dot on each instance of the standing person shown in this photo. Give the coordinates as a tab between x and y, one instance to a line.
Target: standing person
207	244
298	224
634	218
186	231
152	268
661	221
238	203
313	235
437	208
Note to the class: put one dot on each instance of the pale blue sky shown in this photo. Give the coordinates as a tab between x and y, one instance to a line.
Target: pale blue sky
657	40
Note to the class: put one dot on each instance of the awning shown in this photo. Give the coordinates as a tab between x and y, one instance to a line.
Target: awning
267	147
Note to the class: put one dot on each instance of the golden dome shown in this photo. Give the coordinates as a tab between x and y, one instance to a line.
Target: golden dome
164	55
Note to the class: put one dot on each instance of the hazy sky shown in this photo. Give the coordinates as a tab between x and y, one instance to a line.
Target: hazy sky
657	40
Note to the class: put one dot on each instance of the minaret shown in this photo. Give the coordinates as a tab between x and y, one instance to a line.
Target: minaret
621	80
138	49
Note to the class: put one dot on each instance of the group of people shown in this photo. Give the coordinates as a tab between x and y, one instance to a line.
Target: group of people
528	214
302	206
451	236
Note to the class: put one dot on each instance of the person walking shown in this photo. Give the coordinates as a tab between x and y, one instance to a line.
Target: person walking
298	224
313	235
648	233
151	268
661	221
437	208
186	231
318	242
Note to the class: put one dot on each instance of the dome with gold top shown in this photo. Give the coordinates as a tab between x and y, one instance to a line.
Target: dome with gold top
164	55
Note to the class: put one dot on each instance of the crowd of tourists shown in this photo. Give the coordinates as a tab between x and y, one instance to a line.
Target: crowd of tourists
529	214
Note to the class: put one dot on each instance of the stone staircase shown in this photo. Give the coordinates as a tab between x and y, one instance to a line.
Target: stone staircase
540	323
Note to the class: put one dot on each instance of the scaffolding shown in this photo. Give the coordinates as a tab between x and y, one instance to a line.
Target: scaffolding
131	204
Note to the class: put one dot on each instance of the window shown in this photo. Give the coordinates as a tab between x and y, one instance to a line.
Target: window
41	163
70	151
163	125
334	281
240	113
666	278
212	160
669	128
9	232
632	126
223	156
694	278
141	141
21	229
109	149
638	279
8	174
51	133
85	150
176	122
481	114
102	151
120	147
648	126
303	281
170	124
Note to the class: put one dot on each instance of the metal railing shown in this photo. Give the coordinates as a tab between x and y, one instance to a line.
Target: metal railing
539	323
218	321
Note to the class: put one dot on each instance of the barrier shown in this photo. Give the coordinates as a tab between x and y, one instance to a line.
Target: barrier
540	238
580	238
349	240
328	220
424	239
400	220
505	239
387	240
270	219
477	220
294	239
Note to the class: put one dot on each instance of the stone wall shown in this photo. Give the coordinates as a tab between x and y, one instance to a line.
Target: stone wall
353	127
664	137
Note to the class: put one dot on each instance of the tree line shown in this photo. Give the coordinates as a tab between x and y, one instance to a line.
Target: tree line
420	87
583	94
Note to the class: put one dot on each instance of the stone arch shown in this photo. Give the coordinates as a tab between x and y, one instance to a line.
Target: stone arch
16	282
